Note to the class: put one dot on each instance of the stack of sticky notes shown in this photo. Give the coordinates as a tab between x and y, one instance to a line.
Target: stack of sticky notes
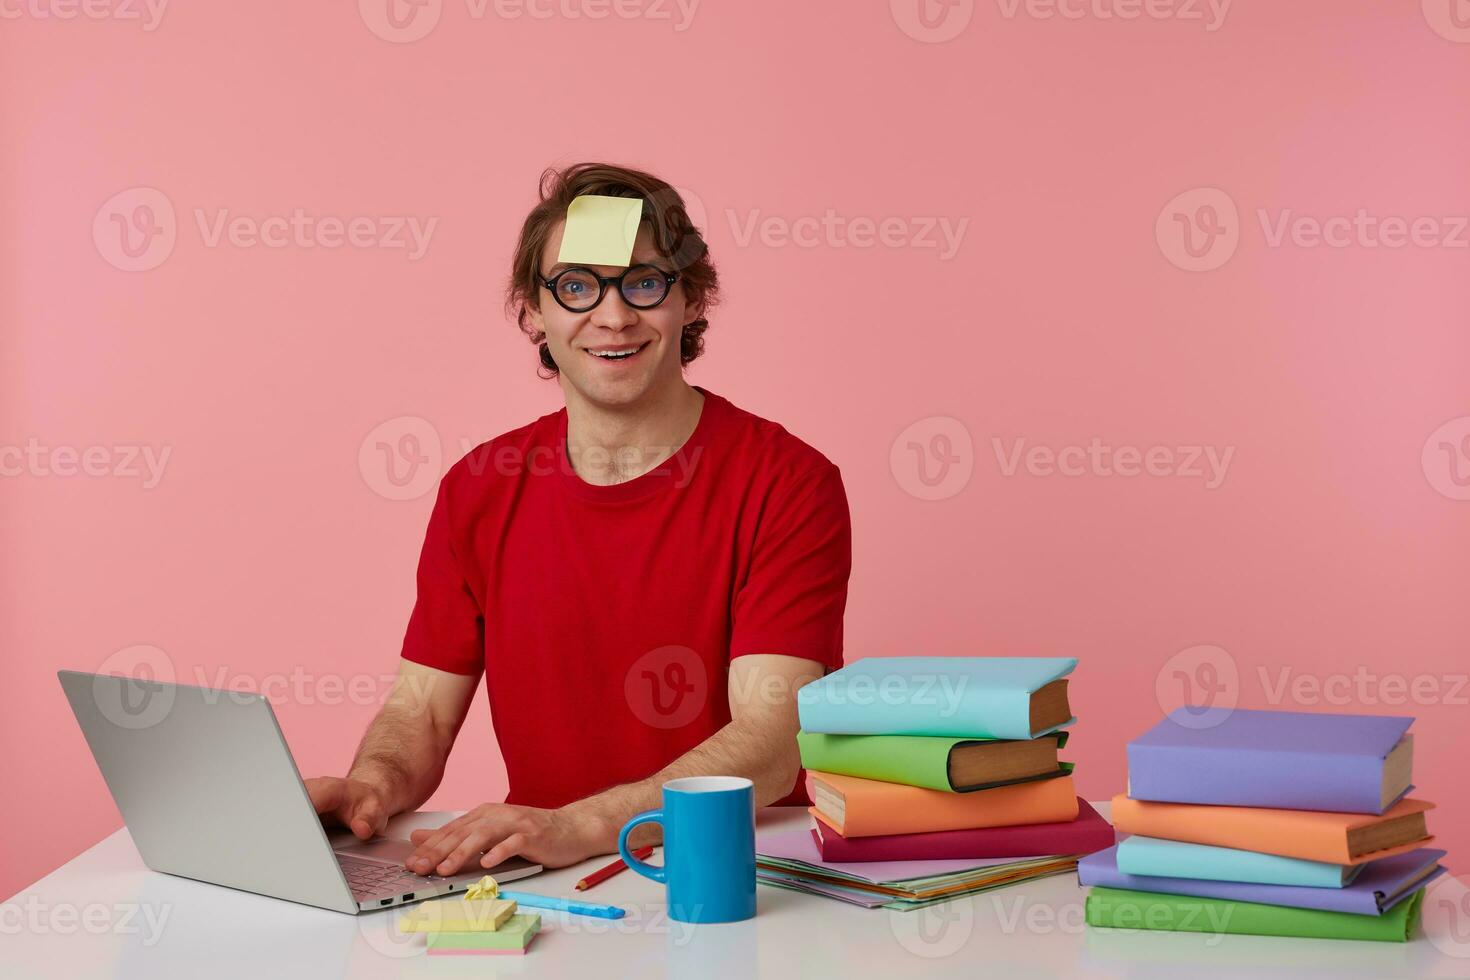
1273	823
458	926
945	760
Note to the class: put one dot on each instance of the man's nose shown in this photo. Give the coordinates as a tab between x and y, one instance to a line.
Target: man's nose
613	312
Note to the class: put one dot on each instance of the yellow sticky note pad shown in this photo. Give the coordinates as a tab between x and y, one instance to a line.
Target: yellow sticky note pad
458	915
600	230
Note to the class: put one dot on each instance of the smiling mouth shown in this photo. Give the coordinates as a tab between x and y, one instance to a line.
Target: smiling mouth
616	354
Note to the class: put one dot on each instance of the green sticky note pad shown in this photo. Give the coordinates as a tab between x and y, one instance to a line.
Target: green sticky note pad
515	934
600	230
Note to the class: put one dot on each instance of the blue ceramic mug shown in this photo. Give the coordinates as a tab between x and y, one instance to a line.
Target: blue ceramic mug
709	848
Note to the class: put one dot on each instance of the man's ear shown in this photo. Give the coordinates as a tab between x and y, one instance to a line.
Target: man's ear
533	311
693	310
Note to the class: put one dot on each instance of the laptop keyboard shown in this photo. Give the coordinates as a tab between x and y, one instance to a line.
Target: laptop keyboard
369	880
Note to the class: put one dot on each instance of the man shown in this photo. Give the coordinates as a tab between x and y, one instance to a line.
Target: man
644	577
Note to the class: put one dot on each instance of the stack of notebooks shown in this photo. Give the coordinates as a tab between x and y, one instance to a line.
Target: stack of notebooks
940	774
1272	823
473	926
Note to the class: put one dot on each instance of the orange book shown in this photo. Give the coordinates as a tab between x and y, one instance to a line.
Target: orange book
857	807
1313	835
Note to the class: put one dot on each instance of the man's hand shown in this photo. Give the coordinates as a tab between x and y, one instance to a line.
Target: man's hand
352	803
401	758
555	838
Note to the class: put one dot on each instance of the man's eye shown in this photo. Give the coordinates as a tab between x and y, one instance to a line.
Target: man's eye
573	287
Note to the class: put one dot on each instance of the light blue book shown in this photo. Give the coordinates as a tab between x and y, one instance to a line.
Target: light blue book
972	697
1177	859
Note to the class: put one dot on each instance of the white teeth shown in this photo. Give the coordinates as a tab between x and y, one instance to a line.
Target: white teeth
613	355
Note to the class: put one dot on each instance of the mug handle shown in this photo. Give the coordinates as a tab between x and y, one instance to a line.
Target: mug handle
646	870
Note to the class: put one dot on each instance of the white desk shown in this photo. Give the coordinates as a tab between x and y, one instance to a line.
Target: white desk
91	918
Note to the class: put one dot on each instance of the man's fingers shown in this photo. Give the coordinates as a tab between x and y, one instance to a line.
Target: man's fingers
427	840
325	793
431	834
435	849
422	856
492	825
474	842
509	847
368	818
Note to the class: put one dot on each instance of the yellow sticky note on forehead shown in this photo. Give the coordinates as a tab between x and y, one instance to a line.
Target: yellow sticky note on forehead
600	230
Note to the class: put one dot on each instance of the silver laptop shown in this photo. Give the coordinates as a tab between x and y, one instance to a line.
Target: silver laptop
209	791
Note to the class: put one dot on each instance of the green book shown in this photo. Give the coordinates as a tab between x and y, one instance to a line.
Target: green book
952	765
1119	908
513	936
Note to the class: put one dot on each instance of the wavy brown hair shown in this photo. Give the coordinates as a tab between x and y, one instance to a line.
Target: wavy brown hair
674	234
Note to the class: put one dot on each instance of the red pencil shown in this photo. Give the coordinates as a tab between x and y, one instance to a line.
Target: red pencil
602	874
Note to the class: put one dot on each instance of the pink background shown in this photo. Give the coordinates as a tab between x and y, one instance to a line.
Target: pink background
1330	549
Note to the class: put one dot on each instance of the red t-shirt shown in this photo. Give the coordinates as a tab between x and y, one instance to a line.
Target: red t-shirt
605	617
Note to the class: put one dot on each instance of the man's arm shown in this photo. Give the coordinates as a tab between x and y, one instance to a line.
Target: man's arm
758	743
401	759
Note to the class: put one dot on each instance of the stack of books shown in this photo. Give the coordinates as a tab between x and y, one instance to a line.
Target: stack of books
946	762
473	926
1274	823
791	860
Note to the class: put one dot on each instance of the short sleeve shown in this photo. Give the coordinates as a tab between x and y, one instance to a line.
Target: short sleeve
447	627
792	600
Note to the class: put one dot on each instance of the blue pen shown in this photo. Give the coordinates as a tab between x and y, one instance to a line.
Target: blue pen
563	905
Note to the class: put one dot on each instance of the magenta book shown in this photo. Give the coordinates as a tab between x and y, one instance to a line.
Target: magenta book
1084	835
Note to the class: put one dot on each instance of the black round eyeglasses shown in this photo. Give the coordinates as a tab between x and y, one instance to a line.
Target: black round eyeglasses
578	289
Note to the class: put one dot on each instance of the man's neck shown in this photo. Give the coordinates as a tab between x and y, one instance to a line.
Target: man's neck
615	445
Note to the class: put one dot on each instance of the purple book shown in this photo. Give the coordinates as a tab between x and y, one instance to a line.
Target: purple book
1380	886
1291	760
